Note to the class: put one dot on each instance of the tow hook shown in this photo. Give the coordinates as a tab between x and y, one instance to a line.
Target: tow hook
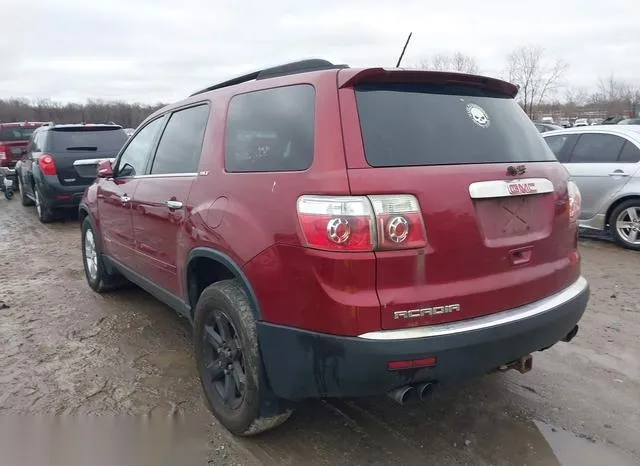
522	365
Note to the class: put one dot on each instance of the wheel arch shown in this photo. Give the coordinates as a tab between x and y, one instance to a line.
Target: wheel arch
616	203
218	266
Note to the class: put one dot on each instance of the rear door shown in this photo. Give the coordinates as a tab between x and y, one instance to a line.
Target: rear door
115	194
492	196
160	204
601	164
71	145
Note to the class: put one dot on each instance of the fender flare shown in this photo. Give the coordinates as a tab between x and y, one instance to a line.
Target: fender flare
229	263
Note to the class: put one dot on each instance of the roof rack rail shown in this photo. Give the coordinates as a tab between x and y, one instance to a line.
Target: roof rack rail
302	66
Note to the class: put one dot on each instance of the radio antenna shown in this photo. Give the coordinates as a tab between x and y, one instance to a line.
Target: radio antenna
403	50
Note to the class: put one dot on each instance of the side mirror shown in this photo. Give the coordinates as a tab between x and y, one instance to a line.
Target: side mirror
105	169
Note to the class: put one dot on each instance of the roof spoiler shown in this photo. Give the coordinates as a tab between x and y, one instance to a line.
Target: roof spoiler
351	77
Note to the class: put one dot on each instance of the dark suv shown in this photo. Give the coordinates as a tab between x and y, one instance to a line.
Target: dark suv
339	232
61	161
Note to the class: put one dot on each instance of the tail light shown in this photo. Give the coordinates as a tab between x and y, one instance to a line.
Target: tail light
4	150
575	201
337	223
399	222
361	223
47	164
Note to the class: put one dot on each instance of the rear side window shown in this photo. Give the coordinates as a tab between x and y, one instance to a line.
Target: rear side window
597	148
271	130
181	142
15	133
630	153
556	144
423	124
103	141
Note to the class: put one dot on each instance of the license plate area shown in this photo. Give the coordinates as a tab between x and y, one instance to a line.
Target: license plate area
507	221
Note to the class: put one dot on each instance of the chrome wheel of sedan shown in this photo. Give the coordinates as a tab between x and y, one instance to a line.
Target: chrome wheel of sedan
628	225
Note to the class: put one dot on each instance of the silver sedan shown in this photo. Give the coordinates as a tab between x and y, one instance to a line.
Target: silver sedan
604	162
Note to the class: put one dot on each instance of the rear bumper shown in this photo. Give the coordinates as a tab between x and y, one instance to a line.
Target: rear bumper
59	196
302	364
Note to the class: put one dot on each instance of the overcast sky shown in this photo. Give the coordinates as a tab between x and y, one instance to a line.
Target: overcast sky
161	50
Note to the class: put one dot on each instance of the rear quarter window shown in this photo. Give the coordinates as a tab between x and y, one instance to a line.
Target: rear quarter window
423	124
271	130
556	144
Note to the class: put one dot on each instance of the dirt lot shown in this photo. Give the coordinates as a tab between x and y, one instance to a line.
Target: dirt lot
67	350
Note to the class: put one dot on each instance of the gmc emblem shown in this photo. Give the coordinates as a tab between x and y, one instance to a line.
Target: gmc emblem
522	188
427	311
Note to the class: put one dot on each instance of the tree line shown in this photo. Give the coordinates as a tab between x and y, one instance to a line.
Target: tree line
129	115
542	85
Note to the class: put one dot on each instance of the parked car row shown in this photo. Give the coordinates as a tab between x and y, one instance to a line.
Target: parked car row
334	232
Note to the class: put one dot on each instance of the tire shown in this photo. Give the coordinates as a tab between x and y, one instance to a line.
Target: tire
45	214
99	279
23	198
8	193
624	214
235	362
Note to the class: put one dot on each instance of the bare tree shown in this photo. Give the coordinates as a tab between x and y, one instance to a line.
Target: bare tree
537	76
616	96
458	62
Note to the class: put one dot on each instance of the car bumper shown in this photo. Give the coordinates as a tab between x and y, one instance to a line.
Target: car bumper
302	364
59	196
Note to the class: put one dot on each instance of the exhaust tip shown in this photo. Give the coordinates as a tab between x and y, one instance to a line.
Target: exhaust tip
424	389
402	394
569	336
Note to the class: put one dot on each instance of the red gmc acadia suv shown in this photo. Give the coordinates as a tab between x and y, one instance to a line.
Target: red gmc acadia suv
339	232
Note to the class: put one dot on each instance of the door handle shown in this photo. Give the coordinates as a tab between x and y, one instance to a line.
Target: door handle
173	204
124	198
618	173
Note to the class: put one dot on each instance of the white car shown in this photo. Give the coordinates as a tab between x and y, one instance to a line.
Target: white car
581	122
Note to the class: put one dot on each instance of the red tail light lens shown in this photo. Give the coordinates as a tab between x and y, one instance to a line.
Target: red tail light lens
361	223
337	223
399	221
47	164
575	201
4	150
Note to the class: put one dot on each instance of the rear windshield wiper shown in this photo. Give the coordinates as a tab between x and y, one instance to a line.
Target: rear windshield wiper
91	148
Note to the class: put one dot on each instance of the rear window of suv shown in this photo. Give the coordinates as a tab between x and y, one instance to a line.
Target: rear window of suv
271	130
15	133
424	124
78	139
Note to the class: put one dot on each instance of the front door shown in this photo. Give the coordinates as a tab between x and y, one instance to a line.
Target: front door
161	200
115	194
601	164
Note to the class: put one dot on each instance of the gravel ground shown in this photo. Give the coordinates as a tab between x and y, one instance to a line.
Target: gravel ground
65	350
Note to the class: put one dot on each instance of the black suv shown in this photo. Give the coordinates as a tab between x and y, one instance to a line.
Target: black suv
61	161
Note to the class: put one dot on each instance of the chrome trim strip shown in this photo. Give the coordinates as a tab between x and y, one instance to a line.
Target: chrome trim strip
479	323
166	175
500	188
82	162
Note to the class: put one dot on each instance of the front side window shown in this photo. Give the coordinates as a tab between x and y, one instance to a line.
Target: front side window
181	142
271	130
556	144
134	159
